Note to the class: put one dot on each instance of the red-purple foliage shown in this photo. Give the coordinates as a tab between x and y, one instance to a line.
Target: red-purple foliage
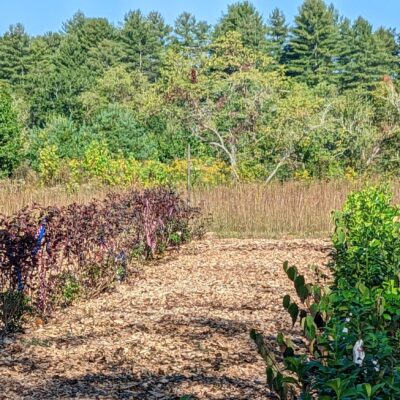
39	244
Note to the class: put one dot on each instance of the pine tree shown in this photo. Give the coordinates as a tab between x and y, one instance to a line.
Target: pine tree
243	17
387	37
72	76
190	35
41	69
144	38
14	51
368	57
313	44
277	35
94	36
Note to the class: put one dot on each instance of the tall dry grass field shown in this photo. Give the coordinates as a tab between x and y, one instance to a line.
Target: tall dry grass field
291	209
13	197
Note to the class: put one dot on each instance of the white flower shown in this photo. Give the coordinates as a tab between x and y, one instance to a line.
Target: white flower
376	365
358	353
348	319
345	330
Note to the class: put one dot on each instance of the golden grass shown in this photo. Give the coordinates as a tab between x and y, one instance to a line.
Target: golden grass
14	196
287	210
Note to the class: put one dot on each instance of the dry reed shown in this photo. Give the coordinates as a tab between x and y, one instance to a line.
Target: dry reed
16	196
287	210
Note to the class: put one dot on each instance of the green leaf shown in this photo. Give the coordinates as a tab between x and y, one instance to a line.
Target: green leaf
270	375
299	281
362	288
286	302
292	273
280	339
293	310
314	309
290	379
368	389
341	236
303	293
310	328
285	266
336	385
387	317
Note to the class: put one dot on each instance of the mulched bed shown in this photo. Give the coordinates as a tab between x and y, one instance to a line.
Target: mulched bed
178	326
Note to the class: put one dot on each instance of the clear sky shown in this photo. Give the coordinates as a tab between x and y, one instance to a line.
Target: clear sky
40	16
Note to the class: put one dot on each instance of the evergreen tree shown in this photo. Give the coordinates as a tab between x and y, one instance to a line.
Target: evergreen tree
144	38
368	56
107	54
37	81
313	44
277	35
10	144
243	17
72	76
14	51
190	35
75	23
387	37
94	36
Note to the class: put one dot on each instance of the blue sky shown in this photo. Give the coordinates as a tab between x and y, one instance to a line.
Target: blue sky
40	16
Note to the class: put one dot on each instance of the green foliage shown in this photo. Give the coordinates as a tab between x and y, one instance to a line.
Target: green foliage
143	39
62	134
366	238
13	308
313	42
272	100
49	164
190	35
10	144
366	56
120	132
242	17
70	289
14	50
332	323
350	329
99	166
277	31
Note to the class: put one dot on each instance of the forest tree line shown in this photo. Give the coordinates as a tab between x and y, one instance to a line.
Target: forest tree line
256	98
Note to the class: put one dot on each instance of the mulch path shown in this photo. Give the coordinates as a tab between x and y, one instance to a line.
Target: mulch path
178	326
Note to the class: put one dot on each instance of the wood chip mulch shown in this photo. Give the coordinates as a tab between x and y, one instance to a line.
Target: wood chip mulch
179	326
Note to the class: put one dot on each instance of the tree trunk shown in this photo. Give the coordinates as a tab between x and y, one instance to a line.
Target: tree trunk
233	162
276	169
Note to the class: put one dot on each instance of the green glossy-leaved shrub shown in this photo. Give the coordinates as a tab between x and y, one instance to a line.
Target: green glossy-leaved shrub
367	238
361	307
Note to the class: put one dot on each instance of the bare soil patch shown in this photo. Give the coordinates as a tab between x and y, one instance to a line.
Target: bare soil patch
179	326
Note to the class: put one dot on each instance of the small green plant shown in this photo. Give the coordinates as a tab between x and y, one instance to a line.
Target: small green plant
138	252
70	290
37	342
13	307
